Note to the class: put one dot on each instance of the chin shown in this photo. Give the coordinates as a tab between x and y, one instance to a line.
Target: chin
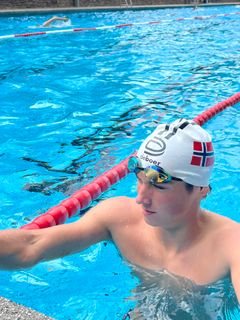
154	221
157	222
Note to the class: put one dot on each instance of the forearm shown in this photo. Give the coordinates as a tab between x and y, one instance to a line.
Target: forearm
48	22
25	248
15	249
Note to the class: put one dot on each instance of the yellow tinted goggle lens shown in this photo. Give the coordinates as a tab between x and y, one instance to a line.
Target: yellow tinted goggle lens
157	176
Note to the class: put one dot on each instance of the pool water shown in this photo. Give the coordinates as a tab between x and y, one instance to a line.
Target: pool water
73	105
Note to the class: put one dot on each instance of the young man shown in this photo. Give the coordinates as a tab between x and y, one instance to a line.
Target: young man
163	228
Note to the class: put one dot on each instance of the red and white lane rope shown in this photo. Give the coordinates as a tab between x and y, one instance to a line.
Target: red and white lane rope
82	198
40	33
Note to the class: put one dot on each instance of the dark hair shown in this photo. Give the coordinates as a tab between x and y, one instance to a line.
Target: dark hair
190	187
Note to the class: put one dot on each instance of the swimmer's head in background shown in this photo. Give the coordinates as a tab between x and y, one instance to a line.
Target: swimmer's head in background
181	148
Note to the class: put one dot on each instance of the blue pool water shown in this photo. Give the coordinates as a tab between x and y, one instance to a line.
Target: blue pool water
74	105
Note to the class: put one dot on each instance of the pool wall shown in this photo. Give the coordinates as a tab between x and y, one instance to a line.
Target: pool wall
21	4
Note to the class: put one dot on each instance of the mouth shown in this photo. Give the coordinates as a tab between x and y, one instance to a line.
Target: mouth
148	212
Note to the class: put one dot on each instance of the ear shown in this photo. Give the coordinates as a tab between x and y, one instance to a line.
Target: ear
204	192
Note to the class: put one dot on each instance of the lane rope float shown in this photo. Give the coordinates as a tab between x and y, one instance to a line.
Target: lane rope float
40	33
83	197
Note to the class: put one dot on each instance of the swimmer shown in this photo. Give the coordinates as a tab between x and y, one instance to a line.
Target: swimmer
53	19
165	227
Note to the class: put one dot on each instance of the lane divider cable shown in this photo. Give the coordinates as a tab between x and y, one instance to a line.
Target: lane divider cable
62	31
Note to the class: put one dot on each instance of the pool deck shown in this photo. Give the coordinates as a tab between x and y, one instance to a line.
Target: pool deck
138	7
10	310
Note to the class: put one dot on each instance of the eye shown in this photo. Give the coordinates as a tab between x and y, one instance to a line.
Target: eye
159	187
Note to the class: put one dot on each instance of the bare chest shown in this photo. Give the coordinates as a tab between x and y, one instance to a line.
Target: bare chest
201	262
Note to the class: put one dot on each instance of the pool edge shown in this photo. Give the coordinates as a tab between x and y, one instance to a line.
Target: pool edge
106	8
10	310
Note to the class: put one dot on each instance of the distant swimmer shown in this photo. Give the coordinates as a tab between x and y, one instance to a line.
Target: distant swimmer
53	19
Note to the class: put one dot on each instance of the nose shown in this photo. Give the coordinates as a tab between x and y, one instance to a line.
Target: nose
144	195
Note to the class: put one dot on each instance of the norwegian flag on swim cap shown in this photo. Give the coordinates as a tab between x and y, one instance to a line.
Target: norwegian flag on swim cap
203	154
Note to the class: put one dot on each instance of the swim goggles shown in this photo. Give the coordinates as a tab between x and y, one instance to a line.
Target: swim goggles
156	175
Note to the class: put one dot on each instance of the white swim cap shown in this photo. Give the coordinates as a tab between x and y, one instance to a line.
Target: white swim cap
183	149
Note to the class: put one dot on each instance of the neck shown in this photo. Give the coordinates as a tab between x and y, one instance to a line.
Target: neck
181	236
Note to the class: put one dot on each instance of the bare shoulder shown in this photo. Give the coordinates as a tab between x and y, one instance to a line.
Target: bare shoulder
231	242
231	234
110	215
107	215
116	202
226	234
220	223
116	210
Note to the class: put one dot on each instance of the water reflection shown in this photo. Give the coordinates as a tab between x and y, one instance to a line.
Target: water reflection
96	150
161	295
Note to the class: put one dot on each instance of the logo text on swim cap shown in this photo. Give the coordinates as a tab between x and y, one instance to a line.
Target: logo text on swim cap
155	162
155	147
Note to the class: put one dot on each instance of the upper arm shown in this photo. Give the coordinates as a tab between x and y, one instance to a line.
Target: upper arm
69	238
234	259
235	276
235	273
